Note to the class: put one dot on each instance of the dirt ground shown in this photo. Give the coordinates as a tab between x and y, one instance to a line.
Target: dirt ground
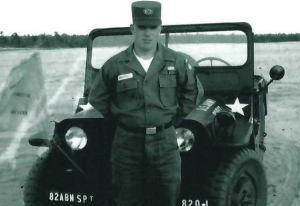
282	160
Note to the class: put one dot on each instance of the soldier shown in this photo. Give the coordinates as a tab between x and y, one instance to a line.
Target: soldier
148	89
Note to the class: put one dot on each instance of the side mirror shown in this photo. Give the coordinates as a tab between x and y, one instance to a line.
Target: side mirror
277	72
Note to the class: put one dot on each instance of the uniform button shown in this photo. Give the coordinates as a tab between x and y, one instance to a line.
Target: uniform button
148	110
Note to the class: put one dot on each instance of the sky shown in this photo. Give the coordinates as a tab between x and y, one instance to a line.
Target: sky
36	17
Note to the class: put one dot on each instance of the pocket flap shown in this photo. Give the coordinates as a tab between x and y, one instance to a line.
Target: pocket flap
126	85
168	81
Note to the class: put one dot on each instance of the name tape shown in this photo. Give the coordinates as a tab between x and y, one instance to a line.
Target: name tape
125	76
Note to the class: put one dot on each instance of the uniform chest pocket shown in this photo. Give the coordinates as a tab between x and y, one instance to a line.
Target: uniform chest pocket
127	96
167	90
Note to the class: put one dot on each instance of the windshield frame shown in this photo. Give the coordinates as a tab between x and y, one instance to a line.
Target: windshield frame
170	29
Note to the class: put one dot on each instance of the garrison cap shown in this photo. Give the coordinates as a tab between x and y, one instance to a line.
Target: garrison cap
146	13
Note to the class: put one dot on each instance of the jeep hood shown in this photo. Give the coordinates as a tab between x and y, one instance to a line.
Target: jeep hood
84	114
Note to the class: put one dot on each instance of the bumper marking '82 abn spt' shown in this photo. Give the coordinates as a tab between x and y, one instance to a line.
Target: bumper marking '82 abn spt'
70	197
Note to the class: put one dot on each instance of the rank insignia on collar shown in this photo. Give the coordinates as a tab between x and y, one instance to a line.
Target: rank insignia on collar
171	68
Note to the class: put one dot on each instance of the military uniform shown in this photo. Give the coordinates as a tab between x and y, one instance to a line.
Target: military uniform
167	92
147	105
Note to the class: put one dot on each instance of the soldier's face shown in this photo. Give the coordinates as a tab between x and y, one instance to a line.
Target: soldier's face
145	37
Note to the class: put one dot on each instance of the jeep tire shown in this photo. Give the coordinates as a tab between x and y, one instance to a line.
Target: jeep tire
238	181
34	182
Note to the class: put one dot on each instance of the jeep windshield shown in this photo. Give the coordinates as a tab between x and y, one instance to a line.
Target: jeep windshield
210	48
222	53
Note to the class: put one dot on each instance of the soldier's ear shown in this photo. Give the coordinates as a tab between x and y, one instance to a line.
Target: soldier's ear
132	28
160	28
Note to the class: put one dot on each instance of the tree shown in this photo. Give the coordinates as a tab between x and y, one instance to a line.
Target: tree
3	40
15	40
43	41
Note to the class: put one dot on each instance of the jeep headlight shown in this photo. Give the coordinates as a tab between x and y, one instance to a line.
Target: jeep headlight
224	123
76	138
185	139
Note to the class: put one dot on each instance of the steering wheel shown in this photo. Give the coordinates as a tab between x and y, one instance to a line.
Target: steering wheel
211	59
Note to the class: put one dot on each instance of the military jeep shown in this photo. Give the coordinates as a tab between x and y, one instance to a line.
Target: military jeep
223	151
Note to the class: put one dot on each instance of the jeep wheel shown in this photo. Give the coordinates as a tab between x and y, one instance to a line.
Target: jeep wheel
32	189
53	182
239	181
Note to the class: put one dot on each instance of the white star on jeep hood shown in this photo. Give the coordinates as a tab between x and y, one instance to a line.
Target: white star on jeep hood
237	106
88	106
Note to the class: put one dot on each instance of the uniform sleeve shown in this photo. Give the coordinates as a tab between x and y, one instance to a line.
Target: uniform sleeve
189	90
100	95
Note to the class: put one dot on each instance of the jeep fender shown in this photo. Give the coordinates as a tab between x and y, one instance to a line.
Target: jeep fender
202	121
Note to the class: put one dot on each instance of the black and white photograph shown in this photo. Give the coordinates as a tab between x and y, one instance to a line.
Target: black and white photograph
149	103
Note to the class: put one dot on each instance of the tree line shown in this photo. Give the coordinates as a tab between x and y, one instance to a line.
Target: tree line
80	41
43	41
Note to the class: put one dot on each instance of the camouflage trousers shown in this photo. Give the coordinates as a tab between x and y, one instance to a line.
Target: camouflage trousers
146	169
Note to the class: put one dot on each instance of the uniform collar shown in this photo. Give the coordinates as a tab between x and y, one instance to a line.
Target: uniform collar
161	56
162	53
